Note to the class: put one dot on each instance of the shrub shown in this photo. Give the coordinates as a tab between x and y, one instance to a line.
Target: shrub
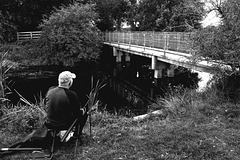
21	118
8	30
71	35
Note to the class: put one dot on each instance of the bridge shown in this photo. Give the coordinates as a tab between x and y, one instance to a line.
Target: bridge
167	50
164	51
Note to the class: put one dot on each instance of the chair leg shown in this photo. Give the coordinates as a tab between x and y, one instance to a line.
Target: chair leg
78	138
53	143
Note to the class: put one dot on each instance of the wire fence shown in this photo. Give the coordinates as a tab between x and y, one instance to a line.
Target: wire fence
174	41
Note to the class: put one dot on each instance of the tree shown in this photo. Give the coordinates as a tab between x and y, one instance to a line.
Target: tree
7	30
214	6
222	43
70	35
27	14
167	15
112	13
131	15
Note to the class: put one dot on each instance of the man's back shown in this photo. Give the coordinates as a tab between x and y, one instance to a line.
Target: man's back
62	106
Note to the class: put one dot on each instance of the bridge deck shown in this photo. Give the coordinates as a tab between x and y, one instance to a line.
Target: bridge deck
168	56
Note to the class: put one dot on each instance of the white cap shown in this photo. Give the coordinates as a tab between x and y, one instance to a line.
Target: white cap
65	77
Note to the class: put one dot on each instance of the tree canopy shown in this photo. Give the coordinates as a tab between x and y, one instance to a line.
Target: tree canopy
7	29
222	42
28	14
71	27
70	35
143	15
167	15
112	13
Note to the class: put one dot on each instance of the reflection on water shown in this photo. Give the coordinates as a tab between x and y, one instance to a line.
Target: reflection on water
33	86
33	83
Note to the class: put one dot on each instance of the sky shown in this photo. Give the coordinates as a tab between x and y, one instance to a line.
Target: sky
212	18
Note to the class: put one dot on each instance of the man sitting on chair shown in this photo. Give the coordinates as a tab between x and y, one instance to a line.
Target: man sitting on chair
63	105
63	108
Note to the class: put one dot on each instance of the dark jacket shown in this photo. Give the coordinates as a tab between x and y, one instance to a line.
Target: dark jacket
62	106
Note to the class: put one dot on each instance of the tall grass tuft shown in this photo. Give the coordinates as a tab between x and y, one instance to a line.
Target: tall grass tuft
19	120
183	103
93	101
3	71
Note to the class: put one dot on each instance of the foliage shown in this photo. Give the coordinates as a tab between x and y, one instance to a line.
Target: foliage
70	35
93	101
185	103
185	137
195	127
5	66
221	43
22	118
112	13
7	30
228	86
27	15
131	15
176	16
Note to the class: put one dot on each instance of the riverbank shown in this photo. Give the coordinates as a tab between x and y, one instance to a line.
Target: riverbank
117	137
194	126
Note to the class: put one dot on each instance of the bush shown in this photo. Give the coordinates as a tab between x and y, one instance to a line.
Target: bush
21	118
8	30
71	35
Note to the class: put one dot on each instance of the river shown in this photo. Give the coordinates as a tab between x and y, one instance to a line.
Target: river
33	82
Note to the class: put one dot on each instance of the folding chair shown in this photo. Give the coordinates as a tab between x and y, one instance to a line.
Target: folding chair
38	151
54	136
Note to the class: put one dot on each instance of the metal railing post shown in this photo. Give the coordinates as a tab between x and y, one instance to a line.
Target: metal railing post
129	38
118	37
167	41
178	41
165	44
110	36
144	40
138	39
17	36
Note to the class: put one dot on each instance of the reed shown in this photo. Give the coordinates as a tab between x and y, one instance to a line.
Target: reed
93	102
3	71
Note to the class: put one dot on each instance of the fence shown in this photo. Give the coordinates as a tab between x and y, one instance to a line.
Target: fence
174	41
21	36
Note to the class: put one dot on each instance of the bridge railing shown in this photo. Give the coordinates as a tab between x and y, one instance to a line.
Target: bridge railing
174	41
28	35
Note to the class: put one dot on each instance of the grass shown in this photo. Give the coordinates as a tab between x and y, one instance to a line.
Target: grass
194	128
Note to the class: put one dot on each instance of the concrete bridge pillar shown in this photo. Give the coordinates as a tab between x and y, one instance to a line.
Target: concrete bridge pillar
127	59
118	61
170	71
122	60
158	67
